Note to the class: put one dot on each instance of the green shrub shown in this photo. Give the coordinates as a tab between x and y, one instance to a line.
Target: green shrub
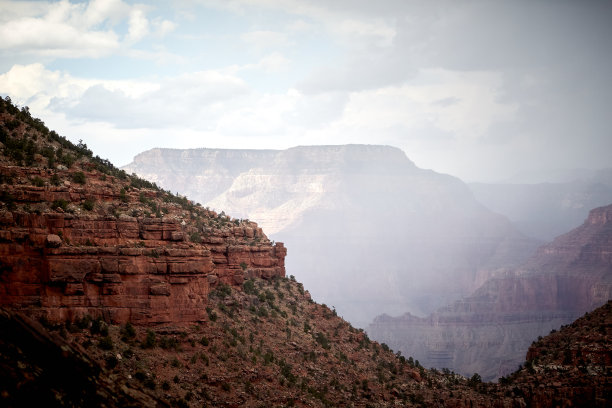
89	204
38	182
322	340
168	343
127	332
249	287
61	203
149	341
106	343
79	177
123	196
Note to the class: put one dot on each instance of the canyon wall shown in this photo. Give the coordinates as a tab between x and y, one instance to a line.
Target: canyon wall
489	331
64	264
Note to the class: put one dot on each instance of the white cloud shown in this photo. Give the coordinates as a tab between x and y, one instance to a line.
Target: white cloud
163	27
73	30
271	63
264	40
138	26
221	104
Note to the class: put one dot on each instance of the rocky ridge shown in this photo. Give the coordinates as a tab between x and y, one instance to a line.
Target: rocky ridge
80	237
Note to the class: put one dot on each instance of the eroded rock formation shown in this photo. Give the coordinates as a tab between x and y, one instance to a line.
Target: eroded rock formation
129	268
82	237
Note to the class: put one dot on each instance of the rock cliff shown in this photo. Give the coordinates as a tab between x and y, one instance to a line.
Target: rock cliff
489	331
403	237
79	237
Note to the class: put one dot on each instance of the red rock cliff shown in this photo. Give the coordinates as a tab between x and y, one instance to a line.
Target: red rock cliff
82	237
132	269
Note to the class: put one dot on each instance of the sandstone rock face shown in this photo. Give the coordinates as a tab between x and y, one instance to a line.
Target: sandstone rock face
370	232
490	331
63	265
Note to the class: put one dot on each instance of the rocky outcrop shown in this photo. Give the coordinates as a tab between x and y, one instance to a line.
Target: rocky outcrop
83	238
130	269
405	238
489	331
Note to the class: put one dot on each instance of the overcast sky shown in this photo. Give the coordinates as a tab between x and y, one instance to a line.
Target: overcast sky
478	89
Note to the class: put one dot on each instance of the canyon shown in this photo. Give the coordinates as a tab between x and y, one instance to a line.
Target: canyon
370	232
114	292
489	331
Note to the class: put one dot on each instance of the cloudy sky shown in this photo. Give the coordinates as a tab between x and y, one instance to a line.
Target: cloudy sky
479	89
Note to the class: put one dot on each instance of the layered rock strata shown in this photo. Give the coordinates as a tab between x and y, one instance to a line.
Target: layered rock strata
90	240
490	331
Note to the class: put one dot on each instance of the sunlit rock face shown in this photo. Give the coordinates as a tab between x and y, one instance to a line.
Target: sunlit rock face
489	331
369	231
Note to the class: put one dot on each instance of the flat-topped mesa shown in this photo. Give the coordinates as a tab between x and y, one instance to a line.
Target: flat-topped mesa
84	238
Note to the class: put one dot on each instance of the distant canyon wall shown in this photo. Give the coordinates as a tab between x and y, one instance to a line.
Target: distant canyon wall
489	331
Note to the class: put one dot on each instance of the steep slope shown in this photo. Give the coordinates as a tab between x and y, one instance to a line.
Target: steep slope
570	367
81	237
403	237
545	210
489	331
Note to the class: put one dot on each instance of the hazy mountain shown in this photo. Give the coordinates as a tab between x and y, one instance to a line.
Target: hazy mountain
547	209
489	331
368	231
